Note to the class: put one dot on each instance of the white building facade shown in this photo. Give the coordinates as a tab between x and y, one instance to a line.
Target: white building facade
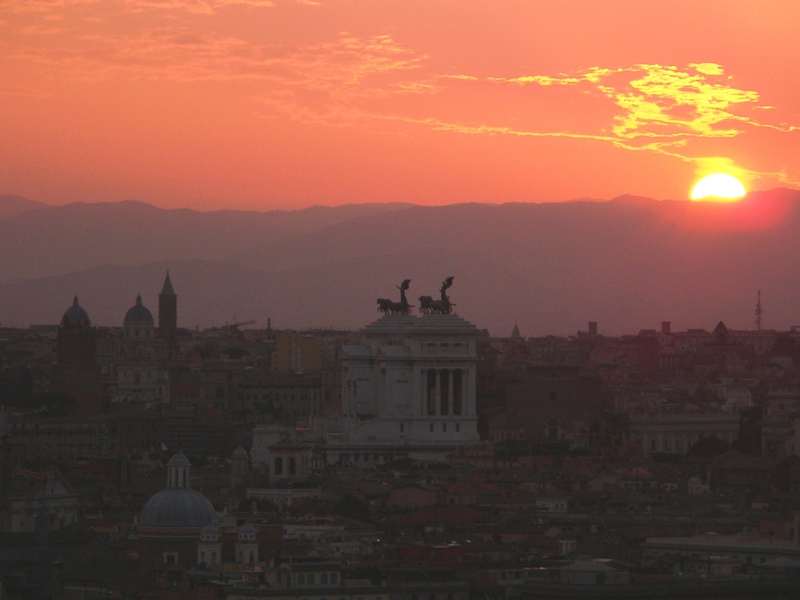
407	391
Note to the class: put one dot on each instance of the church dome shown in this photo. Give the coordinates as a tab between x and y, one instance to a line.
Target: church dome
178	505
178	460
75	316
247	529
138	313
247	533
240	453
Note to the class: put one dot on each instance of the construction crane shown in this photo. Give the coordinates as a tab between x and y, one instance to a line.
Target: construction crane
237	324
241	323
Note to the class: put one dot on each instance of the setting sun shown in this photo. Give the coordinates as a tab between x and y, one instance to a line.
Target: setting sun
718	186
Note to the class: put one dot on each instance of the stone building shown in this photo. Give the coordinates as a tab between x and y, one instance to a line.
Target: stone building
140	377
33	493
77	374
408	390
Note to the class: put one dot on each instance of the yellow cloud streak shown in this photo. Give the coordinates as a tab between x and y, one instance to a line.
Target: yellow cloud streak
665	104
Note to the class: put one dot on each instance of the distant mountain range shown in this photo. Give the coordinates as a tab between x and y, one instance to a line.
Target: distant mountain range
627	263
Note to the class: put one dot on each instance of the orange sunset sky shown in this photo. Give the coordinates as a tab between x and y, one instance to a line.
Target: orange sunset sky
265	104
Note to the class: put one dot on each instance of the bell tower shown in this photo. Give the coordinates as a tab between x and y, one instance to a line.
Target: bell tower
167	311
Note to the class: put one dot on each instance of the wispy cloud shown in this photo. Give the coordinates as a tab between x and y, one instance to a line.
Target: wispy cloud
660	108
198	7
182	54
666	109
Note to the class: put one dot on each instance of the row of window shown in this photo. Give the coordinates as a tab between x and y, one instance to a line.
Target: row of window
444	346
277	396
291	466
365	457
358	598
310	579
444	427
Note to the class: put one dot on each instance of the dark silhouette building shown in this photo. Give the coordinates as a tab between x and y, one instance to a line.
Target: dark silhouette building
167	311
77	374
76	342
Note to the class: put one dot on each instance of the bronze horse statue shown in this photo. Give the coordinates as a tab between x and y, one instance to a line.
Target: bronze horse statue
427	305
389	307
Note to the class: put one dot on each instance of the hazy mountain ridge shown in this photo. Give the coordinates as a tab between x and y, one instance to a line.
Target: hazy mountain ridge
77	236
11	205
627	263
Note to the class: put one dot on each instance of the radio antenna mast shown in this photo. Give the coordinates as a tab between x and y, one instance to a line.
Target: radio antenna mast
759	312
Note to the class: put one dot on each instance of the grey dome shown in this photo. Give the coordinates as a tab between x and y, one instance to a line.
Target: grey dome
177	507
239	453
138	313
247	528
179	460
75	316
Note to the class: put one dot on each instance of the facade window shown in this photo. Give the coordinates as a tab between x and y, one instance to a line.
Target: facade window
444	392
431	391
553	430
431	427
458	391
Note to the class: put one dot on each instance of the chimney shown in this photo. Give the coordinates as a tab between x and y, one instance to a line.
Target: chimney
592	327
666	327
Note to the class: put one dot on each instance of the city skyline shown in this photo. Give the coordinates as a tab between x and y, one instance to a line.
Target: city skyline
628	264
261	105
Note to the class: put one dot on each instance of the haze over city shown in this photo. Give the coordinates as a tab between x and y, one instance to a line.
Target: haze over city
399	299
